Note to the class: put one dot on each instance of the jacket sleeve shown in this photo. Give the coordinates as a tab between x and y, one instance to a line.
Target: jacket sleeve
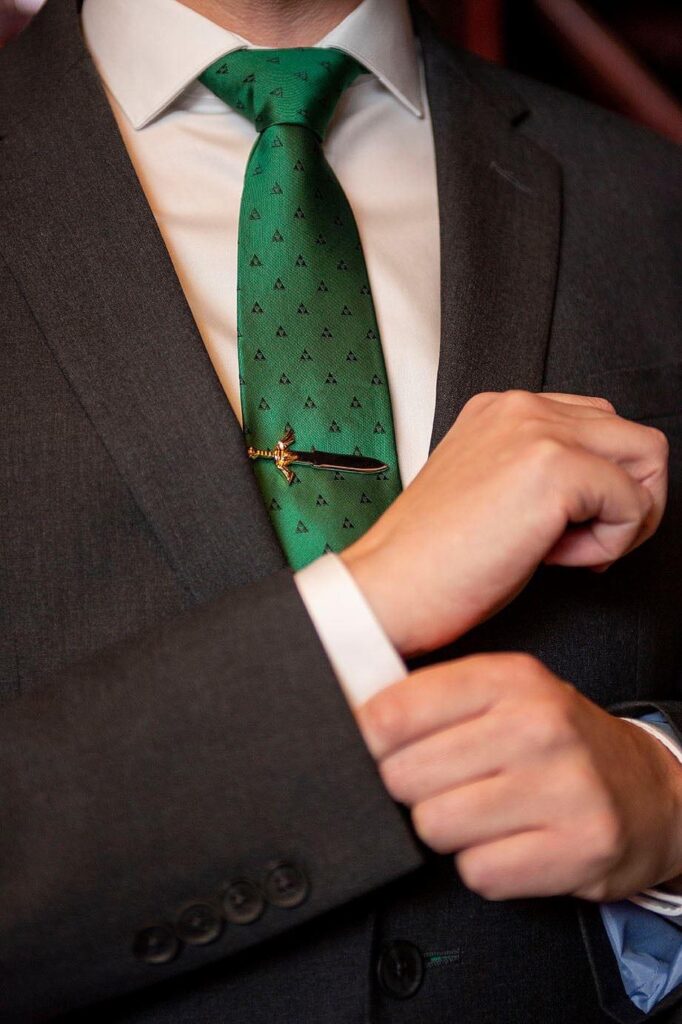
179	798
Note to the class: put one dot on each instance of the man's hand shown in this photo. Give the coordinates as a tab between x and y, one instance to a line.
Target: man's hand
536	790
499	495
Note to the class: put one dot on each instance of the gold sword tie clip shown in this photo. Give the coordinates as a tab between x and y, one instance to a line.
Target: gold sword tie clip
284	457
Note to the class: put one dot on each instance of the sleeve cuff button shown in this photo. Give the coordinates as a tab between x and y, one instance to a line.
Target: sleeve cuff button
156	945
199	924
286	885
243	902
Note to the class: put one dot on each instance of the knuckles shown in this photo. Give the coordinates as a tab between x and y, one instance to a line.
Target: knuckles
517	402
529	679
546	724
514	403
479	401
545	456
544	711
524	668
602	403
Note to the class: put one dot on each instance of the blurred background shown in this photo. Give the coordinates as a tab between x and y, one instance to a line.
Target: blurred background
624	54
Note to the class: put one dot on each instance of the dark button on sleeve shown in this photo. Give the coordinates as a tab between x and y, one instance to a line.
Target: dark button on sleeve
199	924
242	902
286	885
156	945
400	969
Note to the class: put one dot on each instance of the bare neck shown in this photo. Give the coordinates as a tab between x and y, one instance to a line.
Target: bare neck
276	22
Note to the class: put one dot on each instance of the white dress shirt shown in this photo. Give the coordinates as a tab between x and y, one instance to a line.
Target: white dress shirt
190	150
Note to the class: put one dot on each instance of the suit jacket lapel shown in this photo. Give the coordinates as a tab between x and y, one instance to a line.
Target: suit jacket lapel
86	251
499	197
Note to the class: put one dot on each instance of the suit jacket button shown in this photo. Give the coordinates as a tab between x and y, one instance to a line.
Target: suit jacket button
400	969
286	885
198	925
156	945
242	902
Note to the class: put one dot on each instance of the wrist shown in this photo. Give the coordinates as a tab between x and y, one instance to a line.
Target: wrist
672	880
367	563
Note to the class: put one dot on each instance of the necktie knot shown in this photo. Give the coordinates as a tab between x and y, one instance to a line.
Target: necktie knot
292	86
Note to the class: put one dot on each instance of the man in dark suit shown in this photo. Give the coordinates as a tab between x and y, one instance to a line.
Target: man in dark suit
220	798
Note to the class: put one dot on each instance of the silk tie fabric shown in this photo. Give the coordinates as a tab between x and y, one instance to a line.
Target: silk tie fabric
310	354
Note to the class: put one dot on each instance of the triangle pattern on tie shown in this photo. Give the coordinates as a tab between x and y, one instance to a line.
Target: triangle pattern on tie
310	353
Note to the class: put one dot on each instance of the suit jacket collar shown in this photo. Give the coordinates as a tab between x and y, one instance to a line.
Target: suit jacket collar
88	256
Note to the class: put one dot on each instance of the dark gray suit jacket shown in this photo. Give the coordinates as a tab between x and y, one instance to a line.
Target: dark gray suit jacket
169	723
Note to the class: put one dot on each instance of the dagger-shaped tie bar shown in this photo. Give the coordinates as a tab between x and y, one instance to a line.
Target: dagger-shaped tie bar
284	457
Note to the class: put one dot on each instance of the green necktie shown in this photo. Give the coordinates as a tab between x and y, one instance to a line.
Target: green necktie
310	355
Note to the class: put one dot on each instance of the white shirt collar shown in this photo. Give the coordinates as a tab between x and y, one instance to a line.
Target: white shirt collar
148	51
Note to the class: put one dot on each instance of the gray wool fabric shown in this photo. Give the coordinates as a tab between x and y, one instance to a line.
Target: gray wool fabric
169	720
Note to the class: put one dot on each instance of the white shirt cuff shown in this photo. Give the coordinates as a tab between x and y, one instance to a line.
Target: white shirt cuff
363	658
668	904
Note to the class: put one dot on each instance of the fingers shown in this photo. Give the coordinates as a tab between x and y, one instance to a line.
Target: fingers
533	863
611	437
548	861
481	811
591	423
641	451
441	696
617	511
426	701
446	759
